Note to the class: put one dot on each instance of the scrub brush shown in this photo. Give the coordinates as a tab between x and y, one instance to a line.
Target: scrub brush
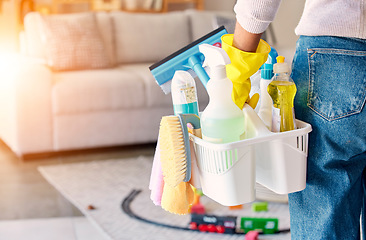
175	155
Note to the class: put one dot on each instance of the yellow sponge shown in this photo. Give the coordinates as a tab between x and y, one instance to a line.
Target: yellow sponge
177	199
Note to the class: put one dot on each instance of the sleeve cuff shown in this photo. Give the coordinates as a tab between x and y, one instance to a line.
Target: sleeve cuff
252	25
256	15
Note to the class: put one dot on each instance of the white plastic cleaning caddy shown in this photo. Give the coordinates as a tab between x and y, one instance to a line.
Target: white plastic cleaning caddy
228	171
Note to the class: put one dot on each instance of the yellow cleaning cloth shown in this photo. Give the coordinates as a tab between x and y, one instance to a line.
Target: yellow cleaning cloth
177	199
243	65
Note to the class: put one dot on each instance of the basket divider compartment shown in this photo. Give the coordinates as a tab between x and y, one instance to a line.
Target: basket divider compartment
282	167
227	175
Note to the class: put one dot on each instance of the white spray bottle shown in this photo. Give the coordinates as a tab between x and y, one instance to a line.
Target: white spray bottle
222	121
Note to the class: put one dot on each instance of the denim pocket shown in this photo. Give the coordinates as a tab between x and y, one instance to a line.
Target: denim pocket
337	84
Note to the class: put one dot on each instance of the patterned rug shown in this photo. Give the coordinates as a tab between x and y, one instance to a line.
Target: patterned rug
104	184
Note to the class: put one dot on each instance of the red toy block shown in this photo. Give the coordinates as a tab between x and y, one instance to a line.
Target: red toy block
198	208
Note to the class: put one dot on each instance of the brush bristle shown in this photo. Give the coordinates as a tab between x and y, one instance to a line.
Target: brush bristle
172	151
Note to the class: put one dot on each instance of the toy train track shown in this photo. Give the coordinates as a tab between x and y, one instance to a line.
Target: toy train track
211	223
126	209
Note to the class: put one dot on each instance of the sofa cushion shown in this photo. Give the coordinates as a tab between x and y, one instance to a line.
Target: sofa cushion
159	35
73	42
96	90
106	30
228	22
102	129
32	32
155	97
35	47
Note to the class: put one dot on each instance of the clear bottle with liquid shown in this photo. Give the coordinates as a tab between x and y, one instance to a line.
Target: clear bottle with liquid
222	121
184	93
282	90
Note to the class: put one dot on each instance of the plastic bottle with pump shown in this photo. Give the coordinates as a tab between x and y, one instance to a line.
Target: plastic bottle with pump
265	107
282	90
184	93
222	121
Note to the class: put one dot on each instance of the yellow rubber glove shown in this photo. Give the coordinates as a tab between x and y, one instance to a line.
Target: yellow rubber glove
243	65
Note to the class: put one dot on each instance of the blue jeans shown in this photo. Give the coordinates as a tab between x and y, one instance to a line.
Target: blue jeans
330	75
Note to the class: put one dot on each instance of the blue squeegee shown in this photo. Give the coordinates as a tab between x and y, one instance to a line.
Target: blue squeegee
185	59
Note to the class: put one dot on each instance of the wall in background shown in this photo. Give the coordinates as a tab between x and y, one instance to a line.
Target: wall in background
286	20
284	24
219	5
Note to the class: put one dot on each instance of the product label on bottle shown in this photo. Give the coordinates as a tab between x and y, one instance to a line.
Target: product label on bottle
184	95
189	94
213	140
276	119
191	108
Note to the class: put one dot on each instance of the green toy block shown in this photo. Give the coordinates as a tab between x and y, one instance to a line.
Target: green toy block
199	192
264	225
260	207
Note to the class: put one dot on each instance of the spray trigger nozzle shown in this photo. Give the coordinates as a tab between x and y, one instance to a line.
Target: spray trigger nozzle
214	56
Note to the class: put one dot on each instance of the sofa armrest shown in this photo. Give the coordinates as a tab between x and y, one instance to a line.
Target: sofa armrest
25	105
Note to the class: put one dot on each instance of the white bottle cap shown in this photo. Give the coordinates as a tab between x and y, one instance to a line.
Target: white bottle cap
281	66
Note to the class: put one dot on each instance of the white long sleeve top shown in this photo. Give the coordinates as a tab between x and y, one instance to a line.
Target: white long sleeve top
343	18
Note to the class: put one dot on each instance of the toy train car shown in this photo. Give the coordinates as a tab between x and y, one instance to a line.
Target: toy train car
211	223
228	224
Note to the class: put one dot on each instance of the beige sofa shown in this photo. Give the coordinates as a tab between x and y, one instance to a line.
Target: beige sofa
48	111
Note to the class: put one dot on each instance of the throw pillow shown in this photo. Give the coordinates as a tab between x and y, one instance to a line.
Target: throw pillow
73	42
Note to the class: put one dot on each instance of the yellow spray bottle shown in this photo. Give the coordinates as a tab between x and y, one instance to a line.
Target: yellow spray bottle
282	90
